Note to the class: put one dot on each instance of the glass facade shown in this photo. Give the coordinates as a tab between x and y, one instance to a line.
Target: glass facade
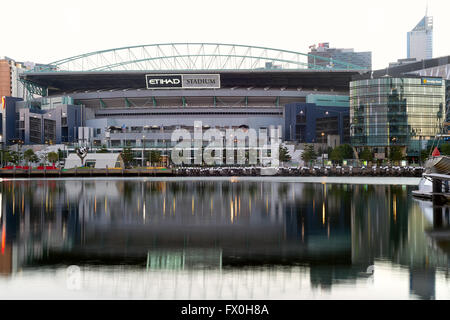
404	112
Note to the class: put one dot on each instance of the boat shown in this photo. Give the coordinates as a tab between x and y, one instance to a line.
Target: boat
436	168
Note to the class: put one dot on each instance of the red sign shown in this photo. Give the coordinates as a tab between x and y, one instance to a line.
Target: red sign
436	152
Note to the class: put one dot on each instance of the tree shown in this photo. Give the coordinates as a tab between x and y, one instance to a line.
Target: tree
61	154
6	156
366	155
30	156
308	153
336	154
16	157
347	151
395	154
52	157
341	153
284	154
155	157
127	156
445	149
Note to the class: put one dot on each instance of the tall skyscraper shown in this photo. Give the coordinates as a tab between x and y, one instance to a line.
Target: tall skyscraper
420	39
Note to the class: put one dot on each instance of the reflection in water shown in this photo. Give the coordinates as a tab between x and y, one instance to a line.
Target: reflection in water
326	234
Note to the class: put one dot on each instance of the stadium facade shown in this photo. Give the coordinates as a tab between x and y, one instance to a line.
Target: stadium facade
137	96
140	102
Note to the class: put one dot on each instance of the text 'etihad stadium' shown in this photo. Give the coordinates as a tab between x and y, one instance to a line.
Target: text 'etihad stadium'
183	81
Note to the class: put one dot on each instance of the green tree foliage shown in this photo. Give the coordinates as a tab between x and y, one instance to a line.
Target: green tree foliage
424	154
284	154
12	157
52	157
309	153
445	149
347	151
6	156
16	157
30	156
366	155
342	152
396	154
61	154
127	156
155	157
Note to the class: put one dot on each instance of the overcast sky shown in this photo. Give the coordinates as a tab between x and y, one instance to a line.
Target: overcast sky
47	30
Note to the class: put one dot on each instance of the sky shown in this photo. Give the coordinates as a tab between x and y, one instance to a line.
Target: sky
48	30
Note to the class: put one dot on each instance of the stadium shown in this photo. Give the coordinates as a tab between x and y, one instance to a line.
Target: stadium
136	96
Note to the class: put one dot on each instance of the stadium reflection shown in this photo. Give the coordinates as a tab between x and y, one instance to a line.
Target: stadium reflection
332	234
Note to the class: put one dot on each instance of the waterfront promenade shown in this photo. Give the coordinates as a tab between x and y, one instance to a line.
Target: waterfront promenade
217	172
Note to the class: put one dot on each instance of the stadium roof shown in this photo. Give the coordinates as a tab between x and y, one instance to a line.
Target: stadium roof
194	56
239	65
61	82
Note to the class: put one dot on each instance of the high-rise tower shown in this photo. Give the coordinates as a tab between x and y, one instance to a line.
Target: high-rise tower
420	39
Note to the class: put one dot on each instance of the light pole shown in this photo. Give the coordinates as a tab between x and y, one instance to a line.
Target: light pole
323	142
143	150
1	142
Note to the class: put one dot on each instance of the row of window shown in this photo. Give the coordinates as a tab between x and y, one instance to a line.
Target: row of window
134	114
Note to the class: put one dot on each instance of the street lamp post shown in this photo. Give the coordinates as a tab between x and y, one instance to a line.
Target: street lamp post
1	142
143	150
323	152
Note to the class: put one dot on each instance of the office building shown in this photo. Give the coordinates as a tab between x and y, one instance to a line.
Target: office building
311	123
405	112
420	40
323	55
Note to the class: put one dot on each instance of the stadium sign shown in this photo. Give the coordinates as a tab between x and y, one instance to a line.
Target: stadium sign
432	81
183	81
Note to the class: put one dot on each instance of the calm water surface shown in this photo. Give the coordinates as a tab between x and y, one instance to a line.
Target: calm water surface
220	239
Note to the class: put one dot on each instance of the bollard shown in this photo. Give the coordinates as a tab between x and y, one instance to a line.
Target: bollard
437	190
437	186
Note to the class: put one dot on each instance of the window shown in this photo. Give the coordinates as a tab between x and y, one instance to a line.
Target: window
49	131
35	130
90	163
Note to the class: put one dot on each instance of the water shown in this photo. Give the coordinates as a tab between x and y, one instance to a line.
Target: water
221	238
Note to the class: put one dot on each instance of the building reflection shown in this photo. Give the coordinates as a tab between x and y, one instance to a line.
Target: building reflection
337	231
